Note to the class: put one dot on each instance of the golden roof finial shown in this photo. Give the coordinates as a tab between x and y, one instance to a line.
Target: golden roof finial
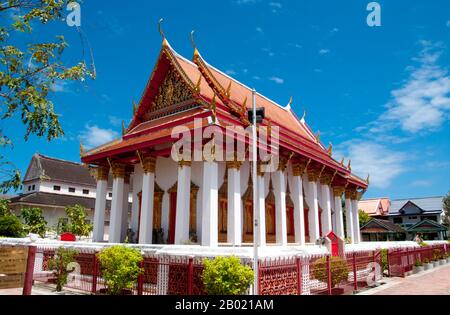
123	128
349	166
368	179
342	161
161	32
318	136
228	92
134	108
330	149
81	149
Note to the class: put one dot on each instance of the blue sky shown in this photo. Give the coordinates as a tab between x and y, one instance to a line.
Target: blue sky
381	95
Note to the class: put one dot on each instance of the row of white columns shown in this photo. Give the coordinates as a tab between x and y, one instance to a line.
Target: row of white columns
317	193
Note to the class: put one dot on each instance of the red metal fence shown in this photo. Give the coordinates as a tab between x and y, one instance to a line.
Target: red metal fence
401	261
319	275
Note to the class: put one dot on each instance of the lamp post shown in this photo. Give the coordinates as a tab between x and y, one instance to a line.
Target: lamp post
255	116
255	198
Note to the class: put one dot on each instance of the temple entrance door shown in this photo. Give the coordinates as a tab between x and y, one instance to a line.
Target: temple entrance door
223	220
306	211
270	224
139	195
290	224
172	217
248	222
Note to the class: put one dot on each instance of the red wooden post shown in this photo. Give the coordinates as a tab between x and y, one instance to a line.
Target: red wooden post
328	275
140	284
94	274
259	278
28	283
299	277
355	278
190	276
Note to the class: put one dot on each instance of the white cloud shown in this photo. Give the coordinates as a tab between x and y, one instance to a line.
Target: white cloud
230	72
421	183
277	80
423	102
255	77
260	30
240	2
94	136
115	121
324	51
335	30
59	86
448	23
382	163
276	5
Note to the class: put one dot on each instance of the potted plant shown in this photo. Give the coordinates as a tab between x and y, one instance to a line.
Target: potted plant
339	272
427	265
60	265
442	258
120	267
418	266
447	256
226	276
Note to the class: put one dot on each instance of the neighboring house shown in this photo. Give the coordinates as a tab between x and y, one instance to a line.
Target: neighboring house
416	215
377	230
377	208
52	184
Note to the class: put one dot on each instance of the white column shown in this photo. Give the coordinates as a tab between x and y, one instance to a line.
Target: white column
349	217
126	193
100	204
356	228
337	192
183	203
326	209
137	187
280	207
261	203
148	191
299	212
115	227
313	203
210	204
234	225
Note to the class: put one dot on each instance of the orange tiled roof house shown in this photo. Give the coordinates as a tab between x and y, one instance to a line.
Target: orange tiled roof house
211	202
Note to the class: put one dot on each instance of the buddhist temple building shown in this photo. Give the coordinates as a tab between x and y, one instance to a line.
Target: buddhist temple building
210	201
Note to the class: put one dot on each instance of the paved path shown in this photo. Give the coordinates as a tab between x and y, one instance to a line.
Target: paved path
432	282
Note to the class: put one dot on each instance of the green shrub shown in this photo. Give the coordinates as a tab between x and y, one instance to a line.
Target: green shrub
78	224
10	226
423	244
4	208
339	270
384	259
59	265
426	261
120	267
418	263
226	276
34	221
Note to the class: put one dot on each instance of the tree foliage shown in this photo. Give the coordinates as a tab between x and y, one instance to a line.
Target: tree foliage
10	225
120	267
34	221
446	203
60	265
29	75
78	224
226	276
364	218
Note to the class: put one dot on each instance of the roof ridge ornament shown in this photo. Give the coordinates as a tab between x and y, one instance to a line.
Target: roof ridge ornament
330	149
161	32
288	106
196	53
304	116
349	166
368	179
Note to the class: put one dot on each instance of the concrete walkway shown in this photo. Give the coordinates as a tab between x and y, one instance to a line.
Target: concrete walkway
431	282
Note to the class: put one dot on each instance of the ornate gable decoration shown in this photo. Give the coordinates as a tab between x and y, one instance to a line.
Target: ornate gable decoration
174	95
